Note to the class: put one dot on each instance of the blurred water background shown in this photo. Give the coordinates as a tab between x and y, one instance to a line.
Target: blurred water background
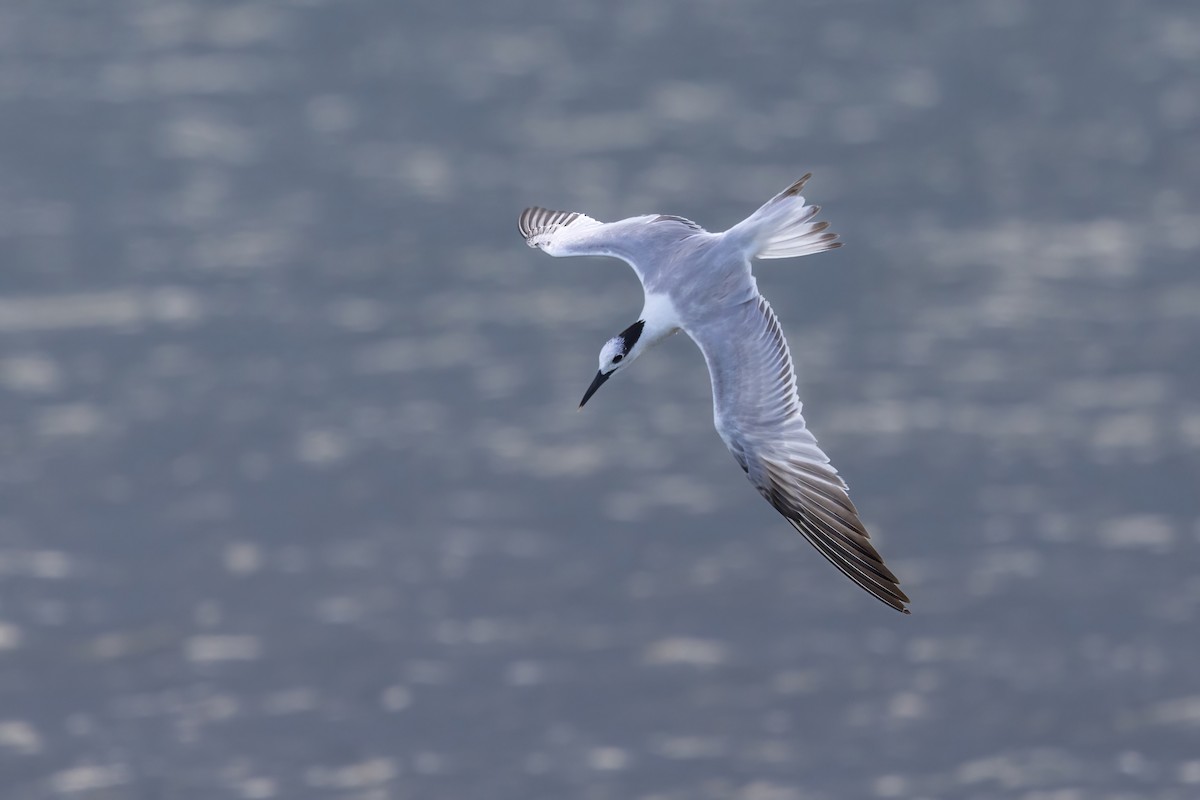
295	501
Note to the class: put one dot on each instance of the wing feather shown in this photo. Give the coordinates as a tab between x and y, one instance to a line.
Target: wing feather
639	241
758	413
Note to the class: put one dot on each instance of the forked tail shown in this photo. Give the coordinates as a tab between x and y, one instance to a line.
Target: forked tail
783	227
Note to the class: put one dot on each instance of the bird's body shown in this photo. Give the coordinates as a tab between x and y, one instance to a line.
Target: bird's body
701	283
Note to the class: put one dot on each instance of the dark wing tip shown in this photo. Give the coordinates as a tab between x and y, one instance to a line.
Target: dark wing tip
850	561
826	518
529	221
523	221
797	187
536	219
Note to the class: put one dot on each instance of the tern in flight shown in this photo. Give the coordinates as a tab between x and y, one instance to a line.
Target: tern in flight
700	283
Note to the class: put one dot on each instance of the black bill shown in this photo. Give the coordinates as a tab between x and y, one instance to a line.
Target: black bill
601	377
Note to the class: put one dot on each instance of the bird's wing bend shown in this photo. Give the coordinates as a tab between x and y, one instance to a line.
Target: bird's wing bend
757	413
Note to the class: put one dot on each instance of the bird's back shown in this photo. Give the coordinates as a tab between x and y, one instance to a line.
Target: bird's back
704	276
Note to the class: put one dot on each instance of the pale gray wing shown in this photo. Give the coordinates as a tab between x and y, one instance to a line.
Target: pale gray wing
757	412
638	240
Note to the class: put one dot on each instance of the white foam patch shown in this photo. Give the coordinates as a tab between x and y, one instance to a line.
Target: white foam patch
1140	531
214	648
686	651
207	138
30	374
690	748
608	759
115	309
1180	711
10	636
45	564
90	778
396	698
19	737
242	558
322	447
70	420
366	774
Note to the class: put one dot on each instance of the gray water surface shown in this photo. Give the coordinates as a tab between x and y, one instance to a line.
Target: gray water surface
295	501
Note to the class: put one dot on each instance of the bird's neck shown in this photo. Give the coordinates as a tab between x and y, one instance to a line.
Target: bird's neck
661	319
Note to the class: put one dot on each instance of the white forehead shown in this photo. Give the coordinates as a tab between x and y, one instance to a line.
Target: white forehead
611	348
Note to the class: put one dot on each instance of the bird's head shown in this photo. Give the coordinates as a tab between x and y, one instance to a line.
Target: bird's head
615	355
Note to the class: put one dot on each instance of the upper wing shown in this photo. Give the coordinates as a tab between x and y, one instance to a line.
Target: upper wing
637	240
757	413
545	228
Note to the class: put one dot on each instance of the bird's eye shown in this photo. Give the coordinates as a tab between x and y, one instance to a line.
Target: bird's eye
617	358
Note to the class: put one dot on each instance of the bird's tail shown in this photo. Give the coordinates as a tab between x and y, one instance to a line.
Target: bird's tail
783	227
